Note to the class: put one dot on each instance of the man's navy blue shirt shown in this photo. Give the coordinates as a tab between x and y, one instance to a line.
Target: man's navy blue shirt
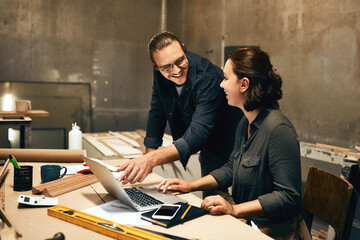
199	117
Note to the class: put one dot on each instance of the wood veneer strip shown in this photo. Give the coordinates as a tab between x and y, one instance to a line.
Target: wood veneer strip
65	183
53	192
41	187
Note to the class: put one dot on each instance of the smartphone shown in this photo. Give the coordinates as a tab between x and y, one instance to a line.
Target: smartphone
166	211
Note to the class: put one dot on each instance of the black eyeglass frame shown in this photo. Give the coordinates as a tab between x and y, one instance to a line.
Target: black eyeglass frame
168	67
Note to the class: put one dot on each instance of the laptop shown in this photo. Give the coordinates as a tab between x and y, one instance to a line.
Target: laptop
139	198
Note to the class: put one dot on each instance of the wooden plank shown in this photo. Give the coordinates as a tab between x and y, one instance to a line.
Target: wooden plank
62	182
333	148
57	191
86	180
120	147
167	139
345	151
2	194
9	222
65	185
39	188
130	141
103	149
3	173
3	169
138	138
141	132
129	144
30	113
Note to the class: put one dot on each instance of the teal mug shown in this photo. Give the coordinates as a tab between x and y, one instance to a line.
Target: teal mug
51	172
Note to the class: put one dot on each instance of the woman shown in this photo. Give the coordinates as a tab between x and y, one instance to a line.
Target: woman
264	168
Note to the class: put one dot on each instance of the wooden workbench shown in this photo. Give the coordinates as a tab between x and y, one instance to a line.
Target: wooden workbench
34	223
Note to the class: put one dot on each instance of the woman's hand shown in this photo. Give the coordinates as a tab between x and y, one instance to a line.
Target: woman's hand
217	205
175	184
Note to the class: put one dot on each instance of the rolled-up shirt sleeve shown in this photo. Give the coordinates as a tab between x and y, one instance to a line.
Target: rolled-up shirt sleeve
284	165
224	175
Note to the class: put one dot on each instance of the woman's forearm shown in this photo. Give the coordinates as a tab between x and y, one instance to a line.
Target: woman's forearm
248	209
205	183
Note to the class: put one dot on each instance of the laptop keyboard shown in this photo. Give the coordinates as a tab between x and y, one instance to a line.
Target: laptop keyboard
140	198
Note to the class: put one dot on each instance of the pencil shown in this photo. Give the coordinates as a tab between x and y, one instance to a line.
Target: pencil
14	162
186	211
16	165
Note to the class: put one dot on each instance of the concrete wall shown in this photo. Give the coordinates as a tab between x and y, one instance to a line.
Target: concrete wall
102	42
314	44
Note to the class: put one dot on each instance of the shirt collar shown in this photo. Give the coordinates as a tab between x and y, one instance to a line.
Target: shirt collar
261	116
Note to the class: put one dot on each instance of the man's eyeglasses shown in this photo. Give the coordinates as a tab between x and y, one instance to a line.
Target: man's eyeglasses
181	62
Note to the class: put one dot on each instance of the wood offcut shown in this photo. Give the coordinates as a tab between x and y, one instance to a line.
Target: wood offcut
345	151
65	185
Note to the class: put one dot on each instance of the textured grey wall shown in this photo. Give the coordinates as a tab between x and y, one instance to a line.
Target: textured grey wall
102	42
314	44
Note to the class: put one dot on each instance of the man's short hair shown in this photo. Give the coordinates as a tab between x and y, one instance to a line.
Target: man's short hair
162	40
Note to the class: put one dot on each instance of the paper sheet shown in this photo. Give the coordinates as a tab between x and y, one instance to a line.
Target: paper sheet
118	212
71	170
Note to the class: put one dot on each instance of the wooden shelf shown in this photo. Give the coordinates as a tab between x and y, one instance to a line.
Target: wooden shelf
30	113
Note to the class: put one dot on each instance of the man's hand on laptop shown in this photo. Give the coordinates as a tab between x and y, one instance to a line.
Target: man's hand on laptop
135	170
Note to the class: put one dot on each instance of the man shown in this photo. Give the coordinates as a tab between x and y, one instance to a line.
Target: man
186	93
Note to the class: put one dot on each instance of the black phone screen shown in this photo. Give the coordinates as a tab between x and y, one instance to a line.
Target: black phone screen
167	210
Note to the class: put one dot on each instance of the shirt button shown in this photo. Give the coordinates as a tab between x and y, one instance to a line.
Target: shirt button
236	154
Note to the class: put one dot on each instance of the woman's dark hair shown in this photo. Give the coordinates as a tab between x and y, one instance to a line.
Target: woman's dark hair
265	84
161	40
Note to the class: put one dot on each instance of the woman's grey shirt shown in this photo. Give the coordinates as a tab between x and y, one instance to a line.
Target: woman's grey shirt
266	167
